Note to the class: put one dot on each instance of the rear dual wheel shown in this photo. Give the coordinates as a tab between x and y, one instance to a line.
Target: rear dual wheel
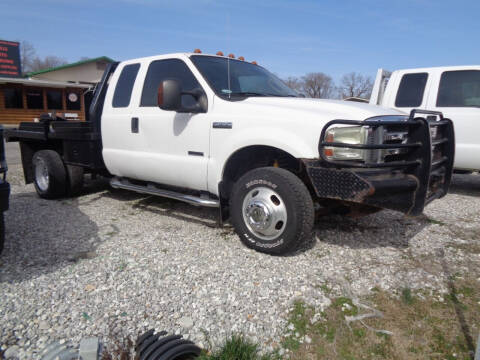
272	210
52	178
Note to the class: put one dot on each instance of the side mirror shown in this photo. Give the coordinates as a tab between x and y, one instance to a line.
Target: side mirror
170	95
170	98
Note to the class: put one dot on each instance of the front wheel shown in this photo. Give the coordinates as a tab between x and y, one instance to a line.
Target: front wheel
272	210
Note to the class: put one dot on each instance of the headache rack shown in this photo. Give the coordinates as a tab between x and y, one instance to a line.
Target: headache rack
418	146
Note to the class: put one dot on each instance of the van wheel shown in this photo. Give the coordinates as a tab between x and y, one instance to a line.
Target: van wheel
272	210
75	179
49	174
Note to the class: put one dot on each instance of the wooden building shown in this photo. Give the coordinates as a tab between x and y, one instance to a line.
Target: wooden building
65	90
25	99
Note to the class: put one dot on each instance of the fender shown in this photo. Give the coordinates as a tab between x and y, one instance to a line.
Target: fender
264	136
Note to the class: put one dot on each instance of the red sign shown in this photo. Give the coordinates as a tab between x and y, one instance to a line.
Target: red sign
10	59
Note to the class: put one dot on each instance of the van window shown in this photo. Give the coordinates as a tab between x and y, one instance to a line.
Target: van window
411	89
171	69
459	89
123	90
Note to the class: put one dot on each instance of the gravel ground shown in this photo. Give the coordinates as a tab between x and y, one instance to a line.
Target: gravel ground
114	263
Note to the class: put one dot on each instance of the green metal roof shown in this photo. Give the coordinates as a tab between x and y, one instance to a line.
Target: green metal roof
104	58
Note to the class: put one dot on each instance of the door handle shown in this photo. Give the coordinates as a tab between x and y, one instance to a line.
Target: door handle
134	124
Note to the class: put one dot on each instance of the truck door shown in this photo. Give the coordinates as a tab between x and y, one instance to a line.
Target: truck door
174	147
457	95
120	144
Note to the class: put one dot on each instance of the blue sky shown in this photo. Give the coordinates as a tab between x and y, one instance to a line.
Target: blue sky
288	37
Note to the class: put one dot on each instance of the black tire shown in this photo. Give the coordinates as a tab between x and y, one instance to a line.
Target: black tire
293	196
2	232
55	185
75	179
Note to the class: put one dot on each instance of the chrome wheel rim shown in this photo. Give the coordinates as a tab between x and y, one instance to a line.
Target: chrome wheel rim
41	175
264	213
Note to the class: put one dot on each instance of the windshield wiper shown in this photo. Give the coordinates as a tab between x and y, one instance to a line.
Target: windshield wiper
251	93
246	93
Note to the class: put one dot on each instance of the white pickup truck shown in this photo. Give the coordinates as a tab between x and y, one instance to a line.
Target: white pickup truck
222	132
453	90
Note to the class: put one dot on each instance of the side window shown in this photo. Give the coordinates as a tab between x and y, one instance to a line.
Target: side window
459	89
161	70
411	89
123	90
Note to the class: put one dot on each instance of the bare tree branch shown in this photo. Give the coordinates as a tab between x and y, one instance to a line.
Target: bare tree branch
294	83
46	63
355	85
27	54
318	85
31	62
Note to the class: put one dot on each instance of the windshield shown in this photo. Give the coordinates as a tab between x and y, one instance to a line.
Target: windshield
245	79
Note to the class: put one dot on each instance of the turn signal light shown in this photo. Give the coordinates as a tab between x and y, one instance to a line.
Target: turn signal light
219	53
329	138
197	51
328	152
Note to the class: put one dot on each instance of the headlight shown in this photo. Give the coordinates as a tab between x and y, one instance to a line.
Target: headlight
346	135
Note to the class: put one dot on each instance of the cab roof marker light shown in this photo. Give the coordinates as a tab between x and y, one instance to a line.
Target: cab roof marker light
219	53
241	58
197	51
231	56
254	62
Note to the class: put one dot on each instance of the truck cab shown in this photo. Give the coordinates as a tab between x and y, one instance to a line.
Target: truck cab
453	90
222	132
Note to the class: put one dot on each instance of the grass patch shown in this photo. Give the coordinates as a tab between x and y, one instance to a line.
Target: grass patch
237	348
422	327
407	296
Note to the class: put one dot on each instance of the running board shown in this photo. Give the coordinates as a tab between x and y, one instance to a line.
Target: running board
151	189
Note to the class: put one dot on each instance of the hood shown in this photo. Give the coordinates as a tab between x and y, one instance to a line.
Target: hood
315	109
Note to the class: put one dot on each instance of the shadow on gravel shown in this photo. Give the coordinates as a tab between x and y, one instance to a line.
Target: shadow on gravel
45	235
459	308
383	229
468	184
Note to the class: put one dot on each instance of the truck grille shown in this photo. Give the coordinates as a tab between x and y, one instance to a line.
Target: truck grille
417	146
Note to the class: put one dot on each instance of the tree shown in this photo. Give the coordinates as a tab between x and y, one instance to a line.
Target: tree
27	55
31	62
318	85
46	63
294	83
355	85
